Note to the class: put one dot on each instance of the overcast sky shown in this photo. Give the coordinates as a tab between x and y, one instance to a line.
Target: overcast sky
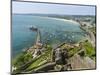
43	8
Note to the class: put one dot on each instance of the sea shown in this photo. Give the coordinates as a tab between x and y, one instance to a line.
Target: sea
53	31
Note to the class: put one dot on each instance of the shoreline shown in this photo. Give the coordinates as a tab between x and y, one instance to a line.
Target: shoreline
60	19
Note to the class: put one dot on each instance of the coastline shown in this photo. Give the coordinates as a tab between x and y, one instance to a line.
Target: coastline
48	54
61	19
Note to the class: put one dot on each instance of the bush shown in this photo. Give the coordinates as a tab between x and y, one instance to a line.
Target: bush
89	49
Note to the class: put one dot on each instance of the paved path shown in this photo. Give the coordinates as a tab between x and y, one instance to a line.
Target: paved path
38	39
90	35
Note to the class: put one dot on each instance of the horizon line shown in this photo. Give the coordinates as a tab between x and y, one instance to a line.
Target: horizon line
51	14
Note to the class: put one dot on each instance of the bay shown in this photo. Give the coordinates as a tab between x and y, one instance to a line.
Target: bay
53	31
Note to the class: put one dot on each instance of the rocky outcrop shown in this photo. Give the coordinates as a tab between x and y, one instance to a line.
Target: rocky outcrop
77	62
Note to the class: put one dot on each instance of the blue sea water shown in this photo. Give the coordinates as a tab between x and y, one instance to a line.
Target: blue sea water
52	31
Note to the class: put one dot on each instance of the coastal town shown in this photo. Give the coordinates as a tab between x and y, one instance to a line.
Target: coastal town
43	57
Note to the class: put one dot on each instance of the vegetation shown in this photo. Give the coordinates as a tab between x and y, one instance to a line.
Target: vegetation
89	49
84	49
72	51
36	62
21	59
44	57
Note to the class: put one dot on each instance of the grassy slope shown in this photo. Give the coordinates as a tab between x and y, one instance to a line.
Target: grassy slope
90	50
44	58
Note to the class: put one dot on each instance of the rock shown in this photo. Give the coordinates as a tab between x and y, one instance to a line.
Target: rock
58	68
58	56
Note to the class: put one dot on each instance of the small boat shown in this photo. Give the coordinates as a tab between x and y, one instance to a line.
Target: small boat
33	28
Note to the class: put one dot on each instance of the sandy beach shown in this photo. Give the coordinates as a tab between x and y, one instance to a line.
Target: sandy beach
61	19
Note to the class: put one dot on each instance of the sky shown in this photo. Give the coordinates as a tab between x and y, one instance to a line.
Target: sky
44	8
